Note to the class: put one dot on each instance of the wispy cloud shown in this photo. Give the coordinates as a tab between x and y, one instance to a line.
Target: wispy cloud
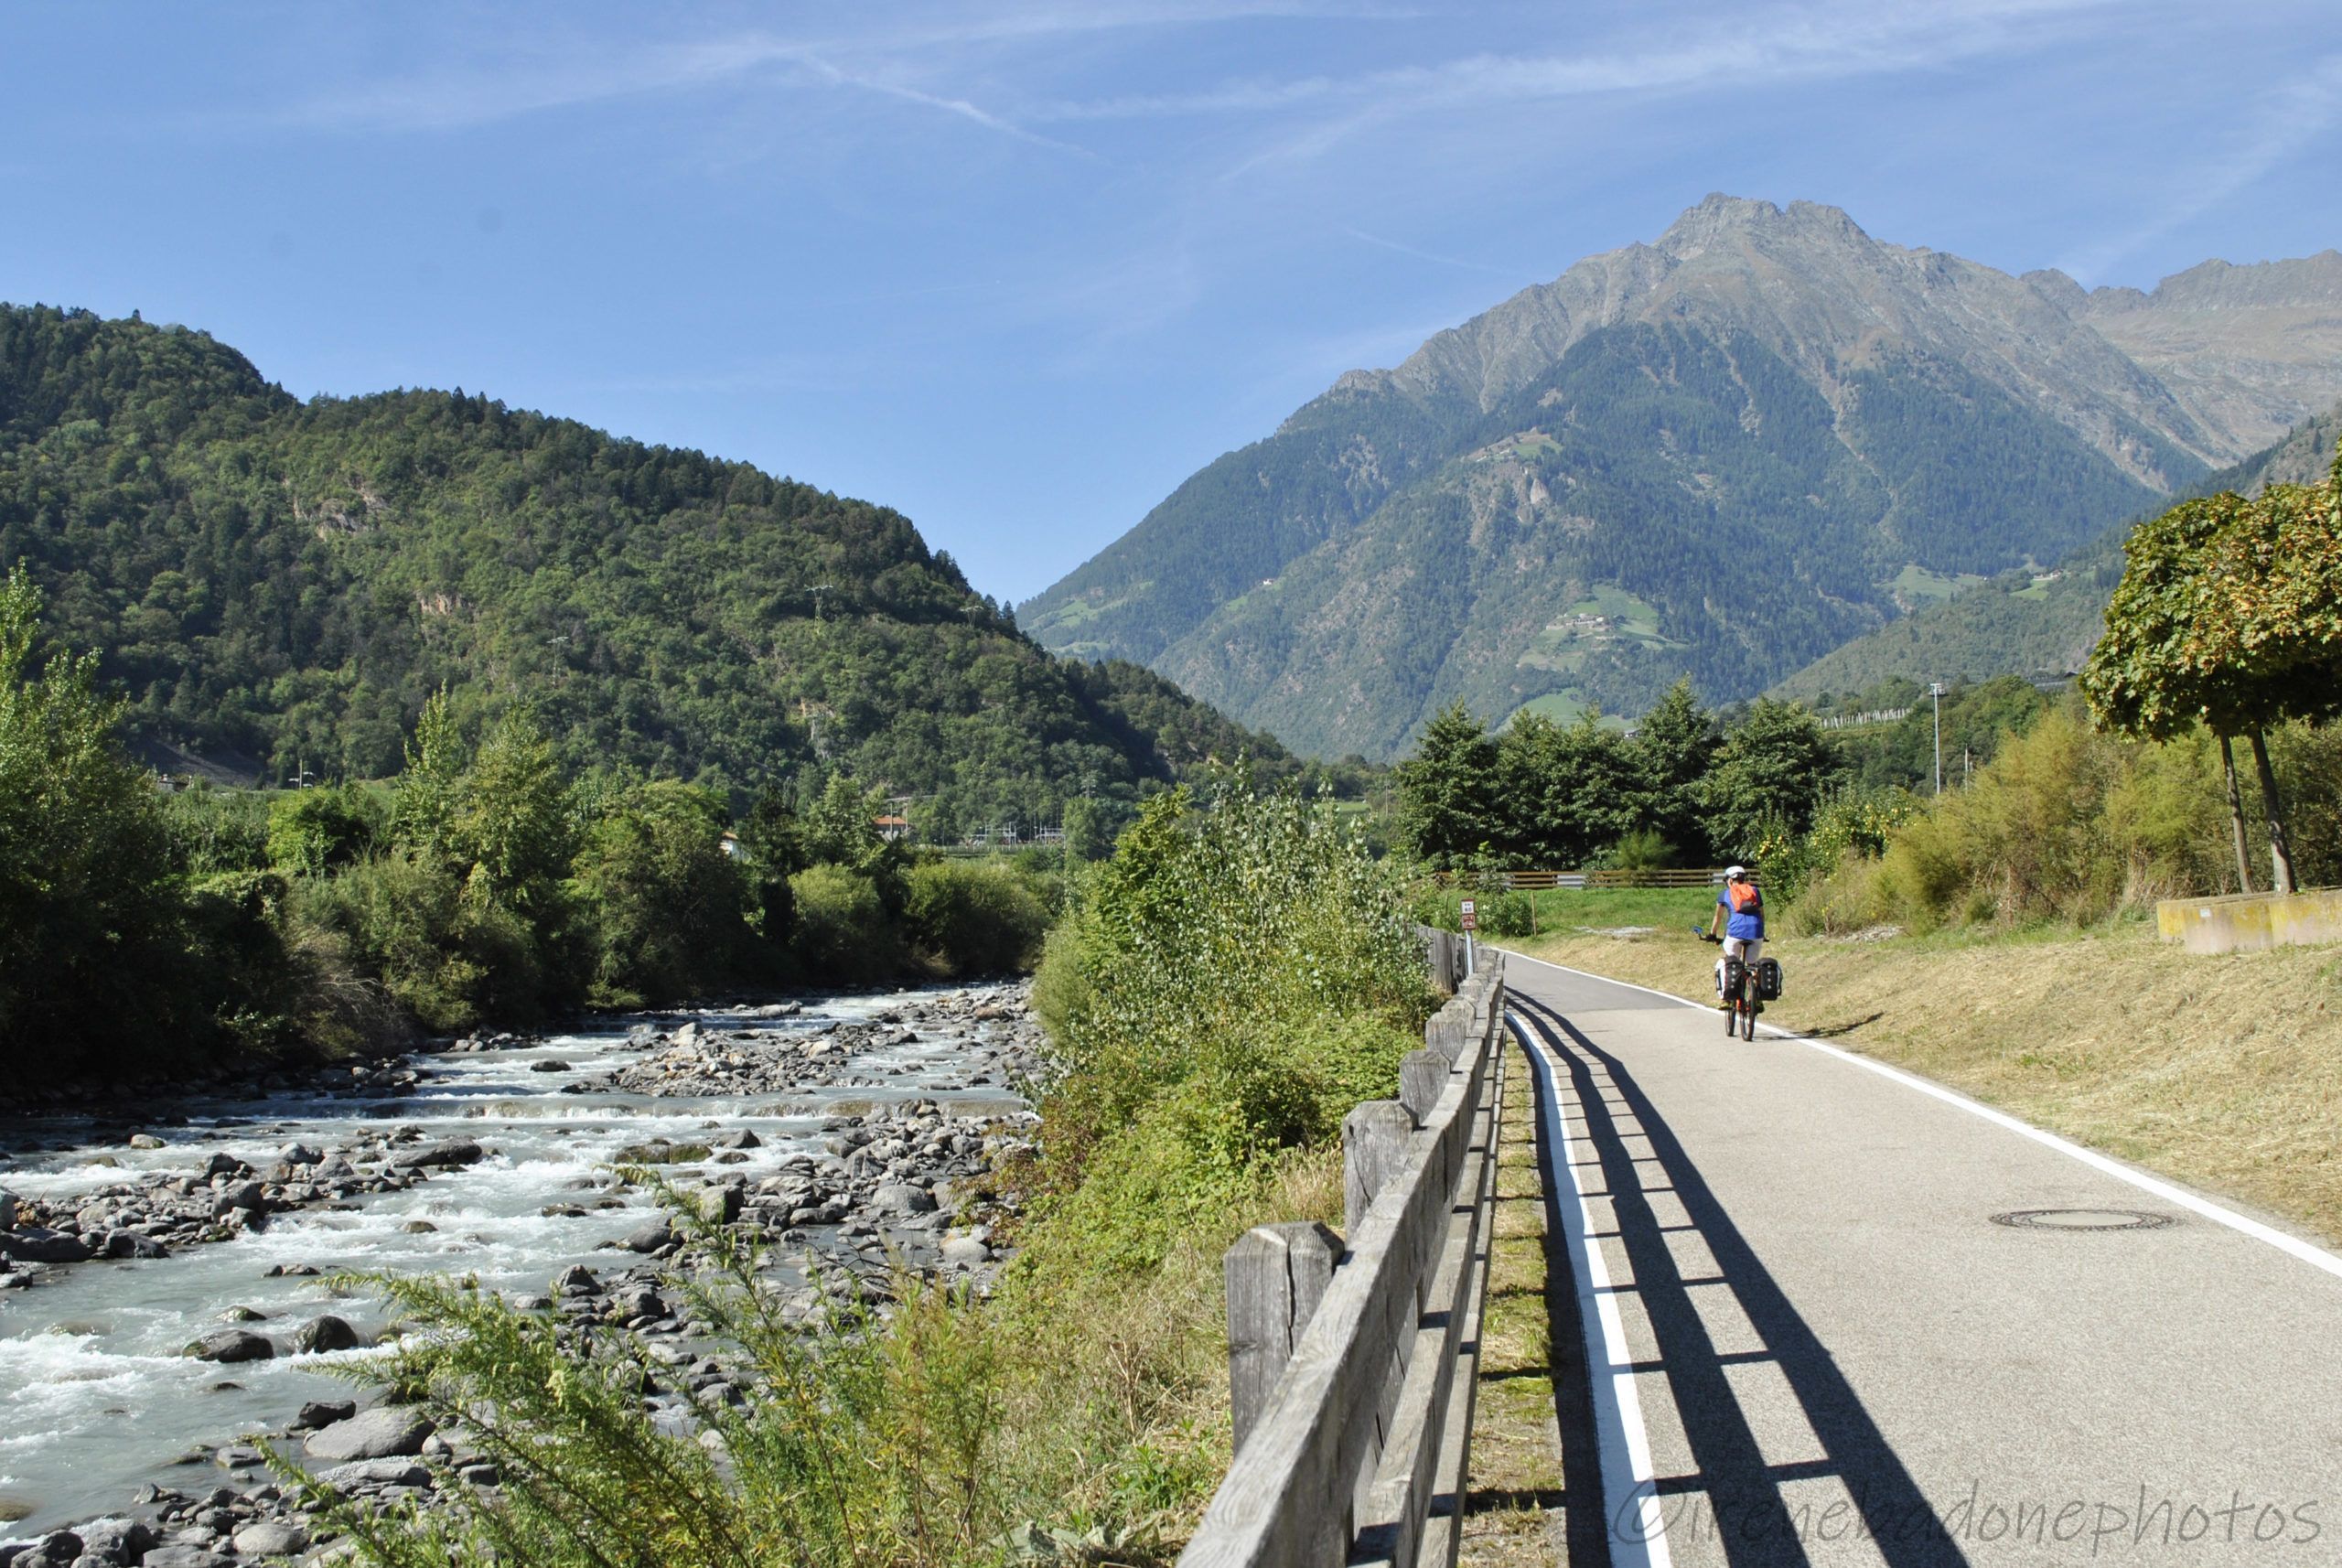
1364	238
2285	119
1782	44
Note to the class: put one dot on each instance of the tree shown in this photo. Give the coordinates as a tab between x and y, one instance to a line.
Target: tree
1447	790
1773	769
1089	829
81	838
667	901
1671	751
2230	614
1566	793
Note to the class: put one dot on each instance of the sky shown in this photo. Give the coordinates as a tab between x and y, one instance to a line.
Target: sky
1018	270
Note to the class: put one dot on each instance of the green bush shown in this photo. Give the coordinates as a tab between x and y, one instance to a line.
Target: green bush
969	919
311	832
1175	993
842	930
665	906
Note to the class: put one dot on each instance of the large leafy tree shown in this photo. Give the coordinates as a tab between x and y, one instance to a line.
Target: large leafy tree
2230	614
1670	750
1566	791
1447	790
1772	771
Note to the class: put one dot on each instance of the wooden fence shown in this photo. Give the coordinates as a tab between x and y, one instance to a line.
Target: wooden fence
1352	1362
1530	881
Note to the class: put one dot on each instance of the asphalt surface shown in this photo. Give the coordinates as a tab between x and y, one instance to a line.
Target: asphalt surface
1809	1341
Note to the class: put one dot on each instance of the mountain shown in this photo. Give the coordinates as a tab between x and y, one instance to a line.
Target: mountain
1725	453
281	583
2038	623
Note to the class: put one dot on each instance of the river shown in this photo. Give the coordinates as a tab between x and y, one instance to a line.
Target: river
95	1395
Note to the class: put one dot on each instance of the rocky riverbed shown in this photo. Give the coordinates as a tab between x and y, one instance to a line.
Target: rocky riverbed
845	1134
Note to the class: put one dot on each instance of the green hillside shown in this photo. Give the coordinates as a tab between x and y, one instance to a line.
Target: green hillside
1688	478
1723	455
276	584
2042	623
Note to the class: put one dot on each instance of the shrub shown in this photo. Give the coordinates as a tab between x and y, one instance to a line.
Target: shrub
973	919
842	924
311	832
665	907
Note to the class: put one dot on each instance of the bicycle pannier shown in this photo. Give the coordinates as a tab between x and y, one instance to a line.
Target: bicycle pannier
1768	979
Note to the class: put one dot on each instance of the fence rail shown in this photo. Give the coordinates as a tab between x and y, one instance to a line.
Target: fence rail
1353	1363
1533	881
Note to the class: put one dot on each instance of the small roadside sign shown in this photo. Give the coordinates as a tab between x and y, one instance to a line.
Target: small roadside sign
1471	915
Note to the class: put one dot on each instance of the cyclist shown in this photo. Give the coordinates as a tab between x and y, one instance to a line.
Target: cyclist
1739	919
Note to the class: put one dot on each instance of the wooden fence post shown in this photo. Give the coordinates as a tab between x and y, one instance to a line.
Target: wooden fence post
1422	1077
1374	1146
1276	1274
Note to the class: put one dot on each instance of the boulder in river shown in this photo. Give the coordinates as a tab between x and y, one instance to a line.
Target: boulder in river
648	1237
327	1334
372	1473
117	1540
388	1432
181	1554
232	1345
445	1154
901	1198
146	1141
324	1412
7	1211
270	1537
35	1245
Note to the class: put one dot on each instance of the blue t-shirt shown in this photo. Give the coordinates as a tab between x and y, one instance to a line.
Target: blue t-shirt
1748	924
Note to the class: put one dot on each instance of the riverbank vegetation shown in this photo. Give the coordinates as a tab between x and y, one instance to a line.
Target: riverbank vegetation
488	885
1224	988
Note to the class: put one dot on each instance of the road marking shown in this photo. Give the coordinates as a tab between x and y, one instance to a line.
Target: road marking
2308	1252
1627	1469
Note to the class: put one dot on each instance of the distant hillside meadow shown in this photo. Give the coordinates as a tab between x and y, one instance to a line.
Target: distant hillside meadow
1724	454
277	587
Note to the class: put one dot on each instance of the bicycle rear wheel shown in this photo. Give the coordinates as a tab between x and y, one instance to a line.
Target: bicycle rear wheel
1747	1014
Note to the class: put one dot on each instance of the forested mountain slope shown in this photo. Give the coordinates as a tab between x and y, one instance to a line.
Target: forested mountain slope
2025	623
1726	454
283	582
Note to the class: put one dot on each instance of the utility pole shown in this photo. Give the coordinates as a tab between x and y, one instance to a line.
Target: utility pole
1935	690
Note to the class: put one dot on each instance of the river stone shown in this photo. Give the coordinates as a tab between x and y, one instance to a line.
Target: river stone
242	1314
180	1555
742	1139
966	1252
326	1335
900	1198
324	1412
720	1205
131	1244
300	1154
385	1432
7	1211
232	1345
271	1538
648	1237
247	1195
146	1141
391	1472
446	1153
35	1245
221	1165
118	1541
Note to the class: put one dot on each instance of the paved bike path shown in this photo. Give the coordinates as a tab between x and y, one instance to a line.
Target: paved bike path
1809	1341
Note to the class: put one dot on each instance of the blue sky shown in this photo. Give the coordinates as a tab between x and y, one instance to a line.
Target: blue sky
1018	270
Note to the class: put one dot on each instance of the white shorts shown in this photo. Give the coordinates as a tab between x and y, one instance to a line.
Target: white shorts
1748	949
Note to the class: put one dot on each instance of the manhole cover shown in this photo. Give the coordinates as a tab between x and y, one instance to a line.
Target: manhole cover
2082	1219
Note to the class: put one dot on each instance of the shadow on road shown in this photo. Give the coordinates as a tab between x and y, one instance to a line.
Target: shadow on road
1736	1505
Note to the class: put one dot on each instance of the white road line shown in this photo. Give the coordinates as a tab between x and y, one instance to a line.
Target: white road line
2308	1252
1626	1470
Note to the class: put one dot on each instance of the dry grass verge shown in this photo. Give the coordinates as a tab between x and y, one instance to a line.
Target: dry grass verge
2225	1072
1516	1477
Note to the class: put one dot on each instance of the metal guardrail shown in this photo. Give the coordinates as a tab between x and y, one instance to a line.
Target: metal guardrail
1353	1363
